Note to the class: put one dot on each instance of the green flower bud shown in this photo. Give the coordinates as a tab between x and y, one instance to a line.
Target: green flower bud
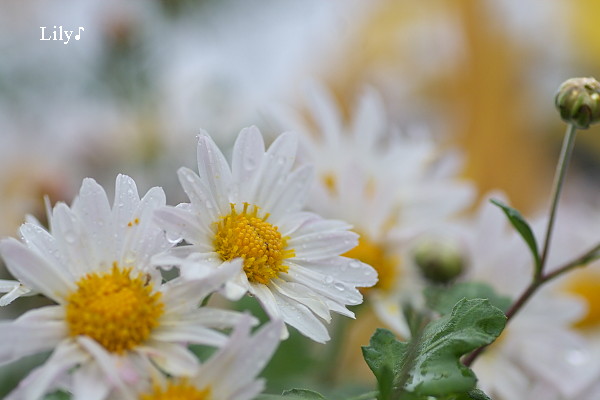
439	261
578	101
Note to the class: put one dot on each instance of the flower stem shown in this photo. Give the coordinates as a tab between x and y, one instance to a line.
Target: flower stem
559	177
539	278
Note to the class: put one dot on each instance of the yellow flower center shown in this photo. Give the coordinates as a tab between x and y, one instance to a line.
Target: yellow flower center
114	309
379	257
180	390
258	242
585	283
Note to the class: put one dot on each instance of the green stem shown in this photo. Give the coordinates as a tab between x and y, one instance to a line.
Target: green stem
559	177
539	277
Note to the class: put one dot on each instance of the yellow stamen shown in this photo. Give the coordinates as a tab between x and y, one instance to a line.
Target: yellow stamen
254	239
379	257
180	390
114	309
585	283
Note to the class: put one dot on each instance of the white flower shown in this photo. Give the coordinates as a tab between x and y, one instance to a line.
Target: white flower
253	210
113	320
538	346
230	374
391	187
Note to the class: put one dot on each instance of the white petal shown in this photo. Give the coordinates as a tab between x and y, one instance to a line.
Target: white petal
88	383
189	333
73	241
14	290
204	203
289	224
107	362
34	332
145	238
301	318
291	196
125	203
304	295
40	240
181	224
33	271
214	171
322	107
276	167
346	269
172	358
369	121
94	212
40	380
247	158
180	294
322	244
329	286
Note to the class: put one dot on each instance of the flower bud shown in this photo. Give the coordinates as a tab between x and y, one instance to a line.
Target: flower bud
439	261
578	101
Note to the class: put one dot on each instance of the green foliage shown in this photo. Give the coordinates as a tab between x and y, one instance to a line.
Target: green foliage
443	299
293	394
517	220
58	395
429	365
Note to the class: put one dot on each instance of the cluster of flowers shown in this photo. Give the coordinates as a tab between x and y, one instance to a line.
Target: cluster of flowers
301	246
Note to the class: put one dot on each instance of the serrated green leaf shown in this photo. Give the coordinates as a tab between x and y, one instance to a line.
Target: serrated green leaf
293	394
517	220
433	358
437	370
385	355
443	299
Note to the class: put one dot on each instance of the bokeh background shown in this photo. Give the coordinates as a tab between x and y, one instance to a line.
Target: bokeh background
147	75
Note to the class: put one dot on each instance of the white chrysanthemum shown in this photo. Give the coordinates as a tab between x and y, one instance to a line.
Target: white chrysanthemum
113	319
253	211
538	347
390	186
230	374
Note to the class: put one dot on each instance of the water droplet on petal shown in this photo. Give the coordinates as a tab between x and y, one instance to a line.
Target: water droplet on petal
328	279
576	357
173	238
339	286
70	237
354	264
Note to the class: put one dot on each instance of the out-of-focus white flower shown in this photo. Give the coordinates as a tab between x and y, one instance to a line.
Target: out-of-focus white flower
539	346
252	210
390	186
230	374
114	319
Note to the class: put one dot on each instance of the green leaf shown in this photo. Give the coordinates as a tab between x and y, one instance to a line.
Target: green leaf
438	370
386	356
443	299
517	220
433	358
293	394
58	395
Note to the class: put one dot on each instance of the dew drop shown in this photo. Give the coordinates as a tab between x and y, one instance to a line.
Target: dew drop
328	279
70	237
576	357
354	264
339	286
249	163
173	238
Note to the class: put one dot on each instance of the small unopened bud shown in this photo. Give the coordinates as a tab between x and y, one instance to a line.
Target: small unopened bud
439	261
578	101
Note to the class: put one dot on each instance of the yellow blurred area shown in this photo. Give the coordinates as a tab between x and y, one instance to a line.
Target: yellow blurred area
487	99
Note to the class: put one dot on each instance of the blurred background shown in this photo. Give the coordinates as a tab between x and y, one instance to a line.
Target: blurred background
146	75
